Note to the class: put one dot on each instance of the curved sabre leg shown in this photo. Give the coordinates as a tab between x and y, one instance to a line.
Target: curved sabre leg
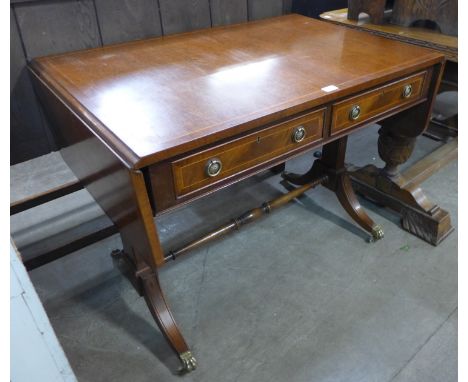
331	164
143	251
333	161
345	193
161	313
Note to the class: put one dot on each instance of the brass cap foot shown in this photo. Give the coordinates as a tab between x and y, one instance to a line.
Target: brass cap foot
189	363
377	233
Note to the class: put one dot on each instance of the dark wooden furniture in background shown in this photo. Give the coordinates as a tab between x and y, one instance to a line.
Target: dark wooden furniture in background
444	13
151	125
448	45
442	127
43	27
441	14
374	8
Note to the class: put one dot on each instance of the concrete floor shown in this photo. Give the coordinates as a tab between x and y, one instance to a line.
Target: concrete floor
298	296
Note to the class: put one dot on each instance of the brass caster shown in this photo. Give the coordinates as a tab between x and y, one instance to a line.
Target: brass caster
189	363
377	233
116	253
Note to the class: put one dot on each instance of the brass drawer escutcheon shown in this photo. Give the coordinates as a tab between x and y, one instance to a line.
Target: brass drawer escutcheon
299	133
213	167
354	113
407	91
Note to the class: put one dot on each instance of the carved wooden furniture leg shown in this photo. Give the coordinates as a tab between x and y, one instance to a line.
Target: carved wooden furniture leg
332	164
388	187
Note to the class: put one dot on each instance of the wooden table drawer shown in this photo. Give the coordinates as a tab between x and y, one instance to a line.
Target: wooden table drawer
191	173
364	107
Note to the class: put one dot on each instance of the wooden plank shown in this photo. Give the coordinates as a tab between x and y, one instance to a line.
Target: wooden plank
57	27
125	20
224	12
262	9
183	16
431	163
28	138
44	197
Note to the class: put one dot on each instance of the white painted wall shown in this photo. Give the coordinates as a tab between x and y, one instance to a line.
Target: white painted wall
35	353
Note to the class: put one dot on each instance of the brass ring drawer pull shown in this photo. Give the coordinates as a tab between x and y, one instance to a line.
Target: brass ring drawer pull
213	167
355	112
407	91
298	135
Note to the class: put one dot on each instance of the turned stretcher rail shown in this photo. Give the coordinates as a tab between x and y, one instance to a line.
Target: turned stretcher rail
247	217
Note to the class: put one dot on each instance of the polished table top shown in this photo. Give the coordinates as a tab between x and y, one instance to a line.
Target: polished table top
152	99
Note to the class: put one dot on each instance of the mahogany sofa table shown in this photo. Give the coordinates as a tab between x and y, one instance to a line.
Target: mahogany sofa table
150	125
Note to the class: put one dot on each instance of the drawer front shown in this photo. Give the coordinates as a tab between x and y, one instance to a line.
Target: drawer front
354	111
213	165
